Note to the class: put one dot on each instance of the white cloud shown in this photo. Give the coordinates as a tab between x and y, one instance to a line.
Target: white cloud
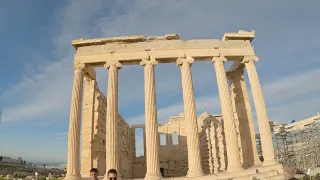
293	86
44	90
42	94
48	91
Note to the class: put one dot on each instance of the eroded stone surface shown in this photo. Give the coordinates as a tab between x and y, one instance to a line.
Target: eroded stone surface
97	144
174	155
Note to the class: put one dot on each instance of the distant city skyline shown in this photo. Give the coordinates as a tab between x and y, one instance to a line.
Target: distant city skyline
36	62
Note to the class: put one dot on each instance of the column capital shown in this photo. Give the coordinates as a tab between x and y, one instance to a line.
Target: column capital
247	59
88	70
218	59
115	64
149	61
184	60
79	67
235	74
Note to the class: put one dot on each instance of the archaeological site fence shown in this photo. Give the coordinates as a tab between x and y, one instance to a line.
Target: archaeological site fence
299	147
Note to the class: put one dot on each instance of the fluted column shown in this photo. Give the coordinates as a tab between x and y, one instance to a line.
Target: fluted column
194	156
243	110
151	128
261	111
73	166
228	117
112	158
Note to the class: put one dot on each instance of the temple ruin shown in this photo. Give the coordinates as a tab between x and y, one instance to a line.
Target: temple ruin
208	146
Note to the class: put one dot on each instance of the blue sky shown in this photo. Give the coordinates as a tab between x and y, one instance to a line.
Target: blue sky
36	61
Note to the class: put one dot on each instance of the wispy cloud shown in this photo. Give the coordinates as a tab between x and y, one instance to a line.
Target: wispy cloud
293	86
278	91
45	87
60	136
48	90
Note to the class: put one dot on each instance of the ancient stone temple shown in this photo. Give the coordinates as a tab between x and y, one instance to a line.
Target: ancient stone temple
197	147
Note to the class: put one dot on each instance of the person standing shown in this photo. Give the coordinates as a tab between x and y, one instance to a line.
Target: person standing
112	174
94	174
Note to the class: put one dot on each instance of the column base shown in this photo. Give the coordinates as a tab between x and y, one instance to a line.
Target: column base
72	177
194	173
269	162
85	175
152	176
234	168
245	165
254	164
257	163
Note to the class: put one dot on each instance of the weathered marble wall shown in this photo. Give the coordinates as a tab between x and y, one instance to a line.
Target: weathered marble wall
97	143
212	143
99	133
88	122
125	149
174	155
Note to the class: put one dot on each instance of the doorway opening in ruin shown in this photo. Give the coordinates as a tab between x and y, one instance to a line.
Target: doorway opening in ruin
162	171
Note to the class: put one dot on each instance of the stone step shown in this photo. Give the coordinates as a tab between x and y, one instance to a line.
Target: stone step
269	168
241	174
280	171
266	174
277	177
241	178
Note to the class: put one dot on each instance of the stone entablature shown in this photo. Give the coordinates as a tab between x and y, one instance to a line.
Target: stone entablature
130	50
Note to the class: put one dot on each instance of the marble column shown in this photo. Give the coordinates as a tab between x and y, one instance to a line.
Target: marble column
73	165
244	114
261	111
194	156
233	155
112	157
151	128
87	126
